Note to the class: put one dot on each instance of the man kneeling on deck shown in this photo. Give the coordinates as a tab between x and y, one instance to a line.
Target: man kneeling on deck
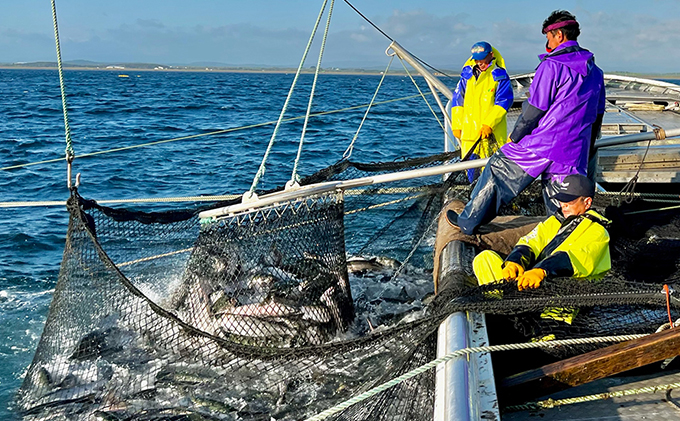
574	244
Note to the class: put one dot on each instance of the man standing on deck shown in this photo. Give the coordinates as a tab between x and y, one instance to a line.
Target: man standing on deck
480	103
555	132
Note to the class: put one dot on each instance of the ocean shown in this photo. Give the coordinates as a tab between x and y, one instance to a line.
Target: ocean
107	110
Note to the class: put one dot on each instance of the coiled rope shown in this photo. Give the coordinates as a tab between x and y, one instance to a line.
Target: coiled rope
294	177
459	353
70	154
261	169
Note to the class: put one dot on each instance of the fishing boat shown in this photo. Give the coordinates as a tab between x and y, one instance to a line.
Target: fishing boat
638	149
249	308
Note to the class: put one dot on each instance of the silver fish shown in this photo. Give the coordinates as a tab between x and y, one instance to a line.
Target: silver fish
360	264
254	327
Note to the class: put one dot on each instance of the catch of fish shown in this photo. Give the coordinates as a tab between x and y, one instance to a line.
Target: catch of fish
122	371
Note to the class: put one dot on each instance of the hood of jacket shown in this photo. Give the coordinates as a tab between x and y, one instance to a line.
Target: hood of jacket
498	58
570	54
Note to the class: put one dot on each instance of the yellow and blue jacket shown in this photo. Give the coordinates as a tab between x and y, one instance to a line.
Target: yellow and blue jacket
578	246
484	99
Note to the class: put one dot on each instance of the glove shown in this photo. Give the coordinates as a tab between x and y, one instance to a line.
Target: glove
486	131
457	133
512	270
530	279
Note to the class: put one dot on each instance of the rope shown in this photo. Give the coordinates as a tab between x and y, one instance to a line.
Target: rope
552	403
459	353
260	171
219	198
414	248
294	177
382	205
252	126
652	210
107	202
390	38
643	195
422	95
629	188
350	148
70	154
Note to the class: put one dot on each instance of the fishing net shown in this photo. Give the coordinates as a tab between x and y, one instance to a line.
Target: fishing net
282	312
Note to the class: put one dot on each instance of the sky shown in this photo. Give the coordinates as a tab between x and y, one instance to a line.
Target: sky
624	35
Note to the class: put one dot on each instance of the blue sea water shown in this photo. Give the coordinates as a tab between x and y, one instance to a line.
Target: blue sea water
107	111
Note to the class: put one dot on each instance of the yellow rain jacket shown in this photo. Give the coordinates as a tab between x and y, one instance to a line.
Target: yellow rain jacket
482	100
576	247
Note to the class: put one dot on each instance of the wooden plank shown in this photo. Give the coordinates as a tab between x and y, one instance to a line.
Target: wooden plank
592	366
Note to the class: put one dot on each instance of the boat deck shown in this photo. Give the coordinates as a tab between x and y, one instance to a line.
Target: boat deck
650	406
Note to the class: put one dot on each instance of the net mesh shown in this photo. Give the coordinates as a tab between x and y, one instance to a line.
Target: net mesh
283	312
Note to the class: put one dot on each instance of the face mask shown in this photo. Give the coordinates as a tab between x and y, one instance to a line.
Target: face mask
548	49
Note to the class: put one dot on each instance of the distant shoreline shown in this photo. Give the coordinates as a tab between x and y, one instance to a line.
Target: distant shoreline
351	72
347	72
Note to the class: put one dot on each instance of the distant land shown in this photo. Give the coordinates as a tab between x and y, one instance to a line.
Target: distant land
193	67
221	67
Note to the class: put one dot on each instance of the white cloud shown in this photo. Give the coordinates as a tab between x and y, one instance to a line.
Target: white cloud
620	40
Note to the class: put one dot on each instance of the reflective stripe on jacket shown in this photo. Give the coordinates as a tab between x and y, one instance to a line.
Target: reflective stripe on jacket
482	101
577	247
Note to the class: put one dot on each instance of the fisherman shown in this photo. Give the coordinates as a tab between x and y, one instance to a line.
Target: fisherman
480	103
554	134
575	243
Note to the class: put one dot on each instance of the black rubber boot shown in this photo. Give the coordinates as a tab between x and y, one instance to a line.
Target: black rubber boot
452	217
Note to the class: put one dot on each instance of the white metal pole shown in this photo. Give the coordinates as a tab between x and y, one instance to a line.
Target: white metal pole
319	188
632	138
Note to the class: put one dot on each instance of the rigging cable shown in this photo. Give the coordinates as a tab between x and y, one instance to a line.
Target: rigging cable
294	176
218	132
260	171
392	39
70	154
421	94
350	148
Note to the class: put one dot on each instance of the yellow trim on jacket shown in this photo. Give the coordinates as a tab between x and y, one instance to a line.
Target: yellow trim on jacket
587	246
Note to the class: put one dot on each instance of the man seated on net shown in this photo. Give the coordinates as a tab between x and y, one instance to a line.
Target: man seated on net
575	244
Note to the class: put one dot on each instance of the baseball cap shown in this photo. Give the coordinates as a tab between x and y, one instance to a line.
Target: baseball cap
573	187
480	50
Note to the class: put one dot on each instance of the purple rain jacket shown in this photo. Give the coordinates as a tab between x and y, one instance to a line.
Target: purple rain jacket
566	99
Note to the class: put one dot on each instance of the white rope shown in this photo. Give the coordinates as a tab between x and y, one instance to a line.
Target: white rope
196	136
294	177
70	154
25	204
260	171
350	148
351	192
459	353
421	94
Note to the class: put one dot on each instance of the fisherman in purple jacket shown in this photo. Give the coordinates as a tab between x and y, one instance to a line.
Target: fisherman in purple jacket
553	137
